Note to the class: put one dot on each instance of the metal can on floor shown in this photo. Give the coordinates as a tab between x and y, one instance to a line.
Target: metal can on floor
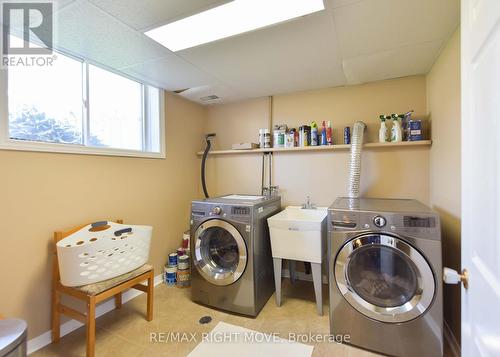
347	135
183	278
172	259
183	262
170	275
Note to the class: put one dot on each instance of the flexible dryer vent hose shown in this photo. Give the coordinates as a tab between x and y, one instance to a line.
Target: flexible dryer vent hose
355	163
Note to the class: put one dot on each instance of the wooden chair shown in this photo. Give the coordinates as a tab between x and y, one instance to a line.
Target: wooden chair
95	293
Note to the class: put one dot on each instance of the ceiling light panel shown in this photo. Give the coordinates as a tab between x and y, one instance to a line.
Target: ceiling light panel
233	18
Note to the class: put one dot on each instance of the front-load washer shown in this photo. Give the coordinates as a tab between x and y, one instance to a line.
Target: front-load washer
231	252
385	276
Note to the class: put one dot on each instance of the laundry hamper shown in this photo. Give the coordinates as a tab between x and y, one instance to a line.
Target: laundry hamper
101	251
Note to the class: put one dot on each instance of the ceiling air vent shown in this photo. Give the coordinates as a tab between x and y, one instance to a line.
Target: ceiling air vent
209	98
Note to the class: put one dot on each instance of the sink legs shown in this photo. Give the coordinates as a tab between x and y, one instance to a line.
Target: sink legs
317	280
277	279
291	268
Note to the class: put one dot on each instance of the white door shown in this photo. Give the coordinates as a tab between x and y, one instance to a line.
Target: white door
481	176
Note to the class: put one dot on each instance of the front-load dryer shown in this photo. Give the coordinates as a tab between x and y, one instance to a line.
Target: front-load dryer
231	252
385	276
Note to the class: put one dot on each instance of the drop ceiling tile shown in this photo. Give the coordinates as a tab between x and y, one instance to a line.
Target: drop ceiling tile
171	72
146	14
401	62
56	6
85	30
59	4
296	55
371	26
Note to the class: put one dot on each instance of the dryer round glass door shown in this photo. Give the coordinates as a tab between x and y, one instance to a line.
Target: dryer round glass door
384	278
220	252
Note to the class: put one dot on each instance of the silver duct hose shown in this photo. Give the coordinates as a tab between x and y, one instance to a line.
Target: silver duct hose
355	163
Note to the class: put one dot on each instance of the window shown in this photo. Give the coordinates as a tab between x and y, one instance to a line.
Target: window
74	106
45	104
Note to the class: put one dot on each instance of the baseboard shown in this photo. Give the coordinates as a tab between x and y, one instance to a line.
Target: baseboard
300	275
451	340
45	338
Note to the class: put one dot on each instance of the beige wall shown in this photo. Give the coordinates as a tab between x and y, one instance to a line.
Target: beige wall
400	173
443	103
43	192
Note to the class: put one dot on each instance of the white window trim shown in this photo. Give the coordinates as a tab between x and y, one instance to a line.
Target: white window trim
6	143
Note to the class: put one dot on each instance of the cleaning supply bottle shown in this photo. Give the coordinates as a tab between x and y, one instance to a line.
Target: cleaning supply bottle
383	133
329	134
396	132
323	133
314	134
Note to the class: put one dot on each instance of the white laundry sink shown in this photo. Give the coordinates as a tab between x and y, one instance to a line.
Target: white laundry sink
299	234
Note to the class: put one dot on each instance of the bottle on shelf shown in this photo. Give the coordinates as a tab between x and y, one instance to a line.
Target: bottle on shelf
314	134
323	133
329	134
383	133
396	132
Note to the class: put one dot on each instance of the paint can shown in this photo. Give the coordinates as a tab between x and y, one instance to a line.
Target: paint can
347	135
172	259
183	262
170	275
180	252
183	278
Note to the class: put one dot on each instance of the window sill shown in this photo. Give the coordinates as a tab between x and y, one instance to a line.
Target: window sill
17	145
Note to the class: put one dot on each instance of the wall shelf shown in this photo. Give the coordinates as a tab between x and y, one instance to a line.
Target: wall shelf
404	144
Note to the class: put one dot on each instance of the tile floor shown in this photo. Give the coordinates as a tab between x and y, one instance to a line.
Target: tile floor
125	332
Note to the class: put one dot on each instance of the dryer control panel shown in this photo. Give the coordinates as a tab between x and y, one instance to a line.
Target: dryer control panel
417	225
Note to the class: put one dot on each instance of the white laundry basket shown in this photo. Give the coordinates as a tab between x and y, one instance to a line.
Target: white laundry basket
97	253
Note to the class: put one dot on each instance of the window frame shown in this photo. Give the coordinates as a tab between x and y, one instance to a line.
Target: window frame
6	143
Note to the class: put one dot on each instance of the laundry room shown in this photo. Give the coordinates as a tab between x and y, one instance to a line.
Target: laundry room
249	177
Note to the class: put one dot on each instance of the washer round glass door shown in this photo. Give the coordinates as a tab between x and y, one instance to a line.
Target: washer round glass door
384	278
220	252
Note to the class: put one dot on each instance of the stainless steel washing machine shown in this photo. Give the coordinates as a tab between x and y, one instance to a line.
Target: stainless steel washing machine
231	252
385	276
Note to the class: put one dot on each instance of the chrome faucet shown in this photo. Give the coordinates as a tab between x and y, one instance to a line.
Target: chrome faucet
271	191
308	204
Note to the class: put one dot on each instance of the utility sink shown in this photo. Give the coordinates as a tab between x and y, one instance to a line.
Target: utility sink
299	234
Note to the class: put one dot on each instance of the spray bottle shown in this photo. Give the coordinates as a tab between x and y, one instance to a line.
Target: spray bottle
396	132
329	138
314	134
323	133
383	133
